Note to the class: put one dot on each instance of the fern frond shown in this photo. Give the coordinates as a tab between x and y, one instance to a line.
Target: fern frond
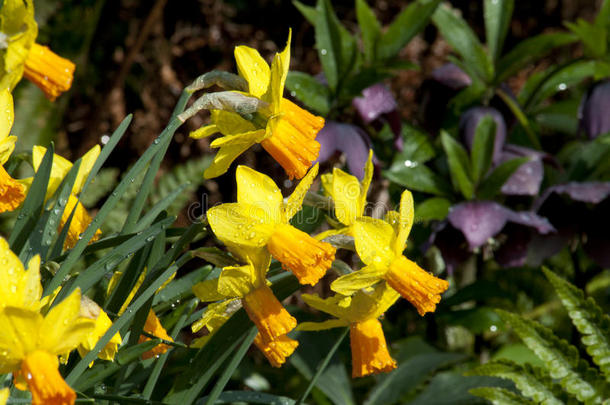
533	382
500	396
561	359
589	319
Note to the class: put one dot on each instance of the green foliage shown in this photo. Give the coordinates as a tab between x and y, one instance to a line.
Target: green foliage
459	165
577	379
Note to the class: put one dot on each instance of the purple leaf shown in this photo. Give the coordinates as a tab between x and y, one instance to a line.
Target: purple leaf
593	110
589	192
451	243
527	178
376	100
348	139
468	125
478	220
513	252
542	225
451	76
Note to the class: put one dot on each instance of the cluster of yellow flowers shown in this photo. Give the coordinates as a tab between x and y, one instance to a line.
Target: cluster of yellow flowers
257	228
38	333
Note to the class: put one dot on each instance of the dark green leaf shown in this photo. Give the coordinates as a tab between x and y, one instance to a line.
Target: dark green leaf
249	397
459	165
477	320
310	91
483	147
451	388
528	51
463	41
416	145
409	374
418	177
497	15
435	208
32	206
593	37
405	26
369	27
492	184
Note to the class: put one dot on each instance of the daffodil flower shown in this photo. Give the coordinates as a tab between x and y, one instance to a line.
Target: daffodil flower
22	56
248	284
360	312
31	342
153	326
4	395
260	219
349	196
216	314
12	192
380	245
286	131
59	170
90	309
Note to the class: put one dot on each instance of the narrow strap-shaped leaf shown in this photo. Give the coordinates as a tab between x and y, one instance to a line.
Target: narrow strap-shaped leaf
322	367
589	319
96	272
492	184
33	204
369	27
249	397
483	147
156	209
230	368
500	396
186	309
123	320
108	206
163	140
560	358
533	382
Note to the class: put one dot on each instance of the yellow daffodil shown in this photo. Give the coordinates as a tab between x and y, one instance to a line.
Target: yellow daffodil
380	245
12	192
284	129
216	314
61	167
248	283
31	342
260	219
22	56
89	309
360	312
349	196
153	326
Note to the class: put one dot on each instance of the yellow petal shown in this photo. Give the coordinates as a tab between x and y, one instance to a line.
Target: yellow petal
328	305
370	304
153	326
63	328
230	123
4	395
369	349
31	288
295	200
204	131
213	313
405	221
252	67
7	145
327	185
223	159
315	326
346	194
207	291
247	137
366	182
373	238
12	191
87	162
20	335
363	278
235	281
60	168
257	189
11	271
279	72
240	224
7	114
